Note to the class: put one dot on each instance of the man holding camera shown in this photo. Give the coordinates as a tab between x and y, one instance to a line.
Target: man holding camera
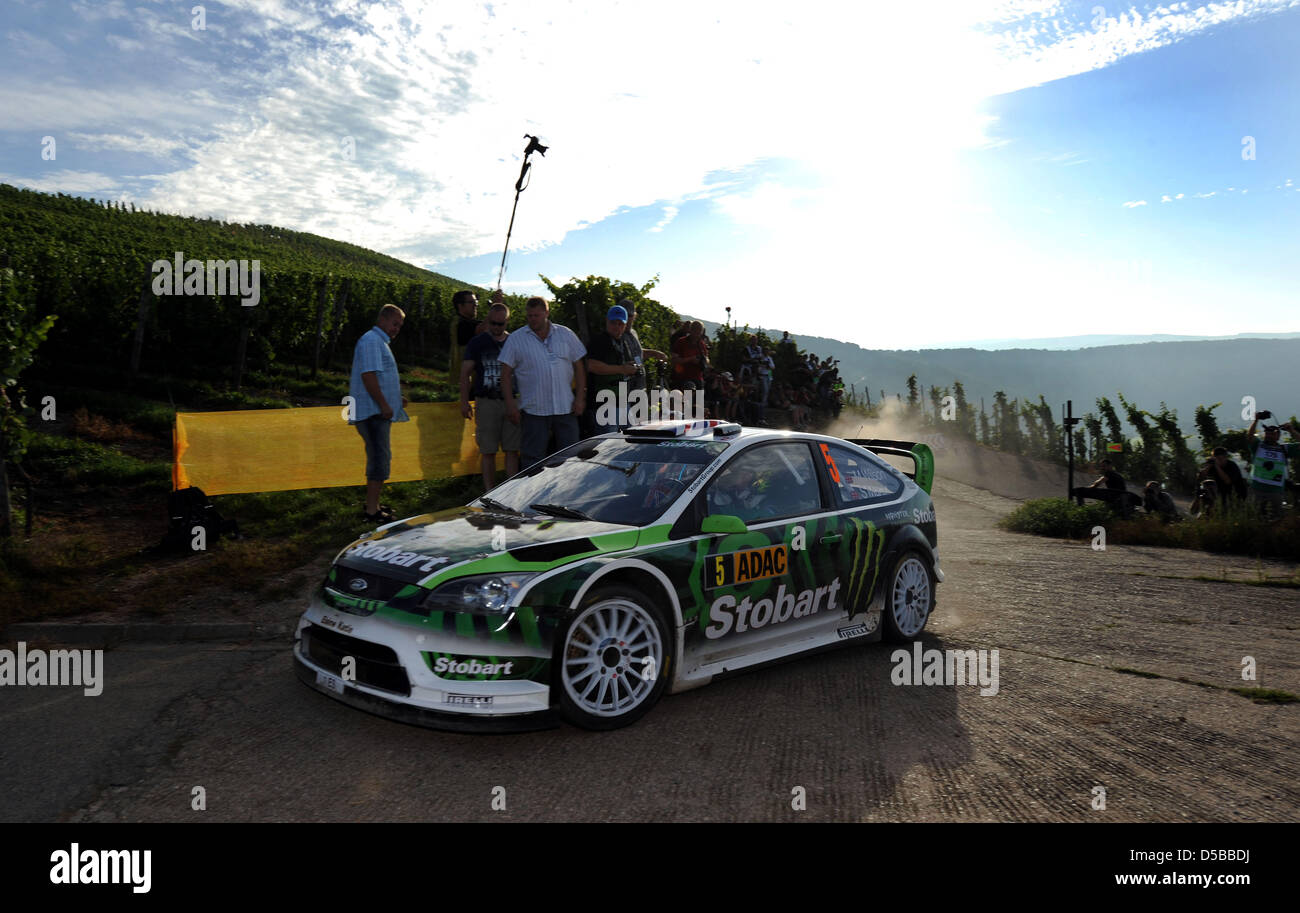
1268	464
1229	484
609	362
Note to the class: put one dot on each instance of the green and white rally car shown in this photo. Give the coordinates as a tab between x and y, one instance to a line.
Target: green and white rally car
625	566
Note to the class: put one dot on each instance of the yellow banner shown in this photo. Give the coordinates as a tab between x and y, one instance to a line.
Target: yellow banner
282	449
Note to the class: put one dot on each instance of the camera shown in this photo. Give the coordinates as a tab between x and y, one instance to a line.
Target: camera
1264	414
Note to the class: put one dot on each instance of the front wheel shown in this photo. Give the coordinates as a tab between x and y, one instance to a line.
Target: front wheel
613	659
909	599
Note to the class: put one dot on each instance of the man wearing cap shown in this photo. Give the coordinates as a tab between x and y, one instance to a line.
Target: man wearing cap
637	381
1268	465
609	361
548	360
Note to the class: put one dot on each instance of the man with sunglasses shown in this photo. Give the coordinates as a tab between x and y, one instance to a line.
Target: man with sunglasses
480	380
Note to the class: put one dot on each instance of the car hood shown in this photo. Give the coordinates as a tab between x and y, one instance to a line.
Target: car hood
419	547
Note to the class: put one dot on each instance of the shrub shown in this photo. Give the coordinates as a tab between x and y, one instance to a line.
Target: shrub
1238	532
1057	517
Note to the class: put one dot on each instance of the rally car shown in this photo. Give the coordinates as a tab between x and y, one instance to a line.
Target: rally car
622	567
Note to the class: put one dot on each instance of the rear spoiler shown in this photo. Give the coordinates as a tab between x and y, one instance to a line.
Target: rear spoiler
921	455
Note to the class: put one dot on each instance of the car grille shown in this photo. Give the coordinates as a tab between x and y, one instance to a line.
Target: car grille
375	665
377	587
377	592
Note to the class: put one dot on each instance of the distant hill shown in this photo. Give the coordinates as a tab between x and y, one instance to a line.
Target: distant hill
1183	374
1090	341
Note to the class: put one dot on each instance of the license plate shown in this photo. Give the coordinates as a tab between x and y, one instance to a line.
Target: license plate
332	682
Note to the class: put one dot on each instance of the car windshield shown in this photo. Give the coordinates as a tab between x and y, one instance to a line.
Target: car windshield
614	480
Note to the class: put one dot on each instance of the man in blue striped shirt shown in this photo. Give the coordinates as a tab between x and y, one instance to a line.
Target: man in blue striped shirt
548	360
376	402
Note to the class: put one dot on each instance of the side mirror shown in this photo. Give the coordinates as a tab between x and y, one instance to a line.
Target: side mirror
723	523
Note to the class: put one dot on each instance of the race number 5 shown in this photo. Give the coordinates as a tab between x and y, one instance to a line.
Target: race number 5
830	462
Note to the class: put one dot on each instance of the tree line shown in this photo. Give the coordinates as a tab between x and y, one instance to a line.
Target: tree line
1157	449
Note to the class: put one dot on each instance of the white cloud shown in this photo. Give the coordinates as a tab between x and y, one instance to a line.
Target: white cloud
138	142
670	213
67	181
835	131
1027	56
1166	199
1134	204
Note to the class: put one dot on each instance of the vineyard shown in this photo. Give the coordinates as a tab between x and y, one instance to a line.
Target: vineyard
90	263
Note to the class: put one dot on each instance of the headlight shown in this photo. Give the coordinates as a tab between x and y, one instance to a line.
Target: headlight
483	594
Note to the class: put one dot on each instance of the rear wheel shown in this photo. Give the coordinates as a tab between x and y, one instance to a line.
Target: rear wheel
612	662
909	599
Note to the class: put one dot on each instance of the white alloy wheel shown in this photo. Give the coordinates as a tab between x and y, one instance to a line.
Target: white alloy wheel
612	660
911	598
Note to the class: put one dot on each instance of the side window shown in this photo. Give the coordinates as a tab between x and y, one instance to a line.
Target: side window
858	478
765	483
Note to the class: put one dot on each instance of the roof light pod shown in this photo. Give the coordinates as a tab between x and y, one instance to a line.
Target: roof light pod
678	428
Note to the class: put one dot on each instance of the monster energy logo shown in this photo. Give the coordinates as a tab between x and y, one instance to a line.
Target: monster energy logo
868	545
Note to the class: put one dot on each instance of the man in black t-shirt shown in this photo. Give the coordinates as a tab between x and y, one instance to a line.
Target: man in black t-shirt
1115	487
1110	478
609	361
480	379
639	355
467	323
1228	481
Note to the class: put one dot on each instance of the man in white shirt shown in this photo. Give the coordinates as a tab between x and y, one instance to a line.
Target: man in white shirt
547	359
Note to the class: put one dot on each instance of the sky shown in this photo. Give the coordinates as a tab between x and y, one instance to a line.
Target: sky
908	175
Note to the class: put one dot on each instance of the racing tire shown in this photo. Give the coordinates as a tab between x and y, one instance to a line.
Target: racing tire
612	659
909	597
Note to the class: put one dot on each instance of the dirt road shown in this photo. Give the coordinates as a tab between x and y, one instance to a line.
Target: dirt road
1114	670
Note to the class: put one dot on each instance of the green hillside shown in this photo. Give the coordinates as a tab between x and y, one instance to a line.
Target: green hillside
89	263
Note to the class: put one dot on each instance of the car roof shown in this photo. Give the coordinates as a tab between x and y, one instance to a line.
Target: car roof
716	430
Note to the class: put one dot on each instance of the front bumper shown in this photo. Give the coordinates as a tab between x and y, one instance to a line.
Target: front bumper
383	666
422	716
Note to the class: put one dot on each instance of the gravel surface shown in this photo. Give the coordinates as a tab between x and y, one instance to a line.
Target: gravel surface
1114	674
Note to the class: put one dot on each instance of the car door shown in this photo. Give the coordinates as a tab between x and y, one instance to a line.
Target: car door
767	591
864	489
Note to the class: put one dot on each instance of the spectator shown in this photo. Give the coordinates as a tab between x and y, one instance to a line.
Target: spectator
1268	460
690	356
1207	499
1155	500
637	381
552	383
800	417
715	394
377	402
467	323
609	362
779	397
764	368
683	329
1109	477
739	393
1226	475
480	380
1115	490
749	359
